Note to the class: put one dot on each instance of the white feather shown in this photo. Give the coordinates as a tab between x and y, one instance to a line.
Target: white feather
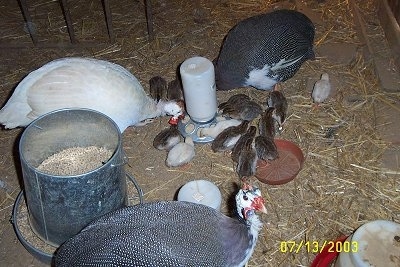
259	79
80	83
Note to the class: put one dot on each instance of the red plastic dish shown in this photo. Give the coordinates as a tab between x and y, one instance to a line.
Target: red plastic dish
283	169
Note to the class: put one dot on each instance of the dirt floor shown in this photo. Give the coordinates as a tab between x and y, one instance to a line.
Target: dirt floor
343	183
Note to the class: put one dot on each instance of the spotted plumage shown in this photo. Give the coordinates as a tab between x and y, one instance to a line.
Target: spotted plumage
266	148
240	107
174	90
250	134
167	138
265	49
277	100
247	156
158	87
266	125
264	143
168	233
228	137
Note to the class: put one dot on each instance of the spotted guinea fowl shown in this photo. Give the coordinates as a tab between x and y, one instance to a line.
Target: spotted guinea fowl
234	100
167	138
263	50
266	148
83	83
240	107
247	156
174	90
277	100
266	125
250	134
228	137
158	87
264	143
168	233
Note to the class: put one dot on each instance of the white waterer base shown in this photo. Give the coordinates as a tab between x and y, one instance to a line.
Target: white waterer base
374	244
188	127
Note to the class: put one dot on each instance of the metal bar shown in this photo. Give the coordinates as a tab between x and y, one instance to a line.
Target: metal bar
68	21
108	15
28	21
149	19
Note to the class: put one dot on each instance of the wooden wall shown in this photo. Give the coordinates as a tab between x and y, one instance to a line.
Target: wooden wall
395	7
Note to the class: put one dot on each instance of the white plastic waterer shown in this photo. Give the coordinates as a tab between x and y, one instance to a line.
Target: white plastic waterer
201	192
374	244
198	81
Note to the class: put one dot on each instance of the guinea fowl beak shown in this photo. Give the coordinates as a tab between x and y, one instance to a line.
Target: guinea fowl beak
179	116
258	204
175	119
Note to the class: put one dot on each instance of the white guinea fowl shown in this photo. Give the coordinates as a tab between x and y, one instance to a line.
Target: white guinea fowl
322	89
181	153
83	83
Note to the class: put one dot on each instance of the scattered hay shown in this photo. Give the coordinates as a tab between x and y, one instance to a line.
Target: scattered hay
27	233
25	229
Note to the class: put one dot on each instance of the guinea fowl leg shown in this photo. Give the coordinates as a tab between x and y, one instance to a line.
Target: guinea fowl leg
228	153
184	167
315	106
245	179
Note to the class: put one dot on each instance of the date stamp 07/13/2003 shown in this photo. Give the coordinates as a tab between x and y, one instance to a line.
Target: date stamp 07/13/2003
318	247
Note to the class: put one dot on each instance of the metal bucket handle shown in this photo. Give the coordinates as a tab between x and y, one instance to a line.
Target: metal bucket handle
37	252
124	161
138	188
131	178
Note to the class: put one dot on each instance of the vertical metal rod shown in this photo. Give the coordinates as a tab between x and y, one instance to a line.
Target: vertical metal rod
28	20
149	19
68	21
108	15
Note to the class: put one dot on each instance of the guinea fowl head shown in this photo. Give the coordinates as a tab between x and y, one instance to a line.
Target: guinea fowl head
249	200
174	108
325	77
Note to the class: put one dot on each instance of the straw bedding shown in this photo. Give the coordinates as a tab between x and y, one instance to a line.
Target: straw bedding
342	184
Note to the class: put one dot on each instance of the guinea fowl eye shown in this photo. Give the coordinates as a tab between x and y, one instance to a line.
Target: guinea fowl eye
245	197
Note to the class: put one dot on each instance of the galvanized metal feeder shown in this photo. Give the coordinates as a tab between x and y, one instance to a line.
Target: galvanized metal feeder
60	206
